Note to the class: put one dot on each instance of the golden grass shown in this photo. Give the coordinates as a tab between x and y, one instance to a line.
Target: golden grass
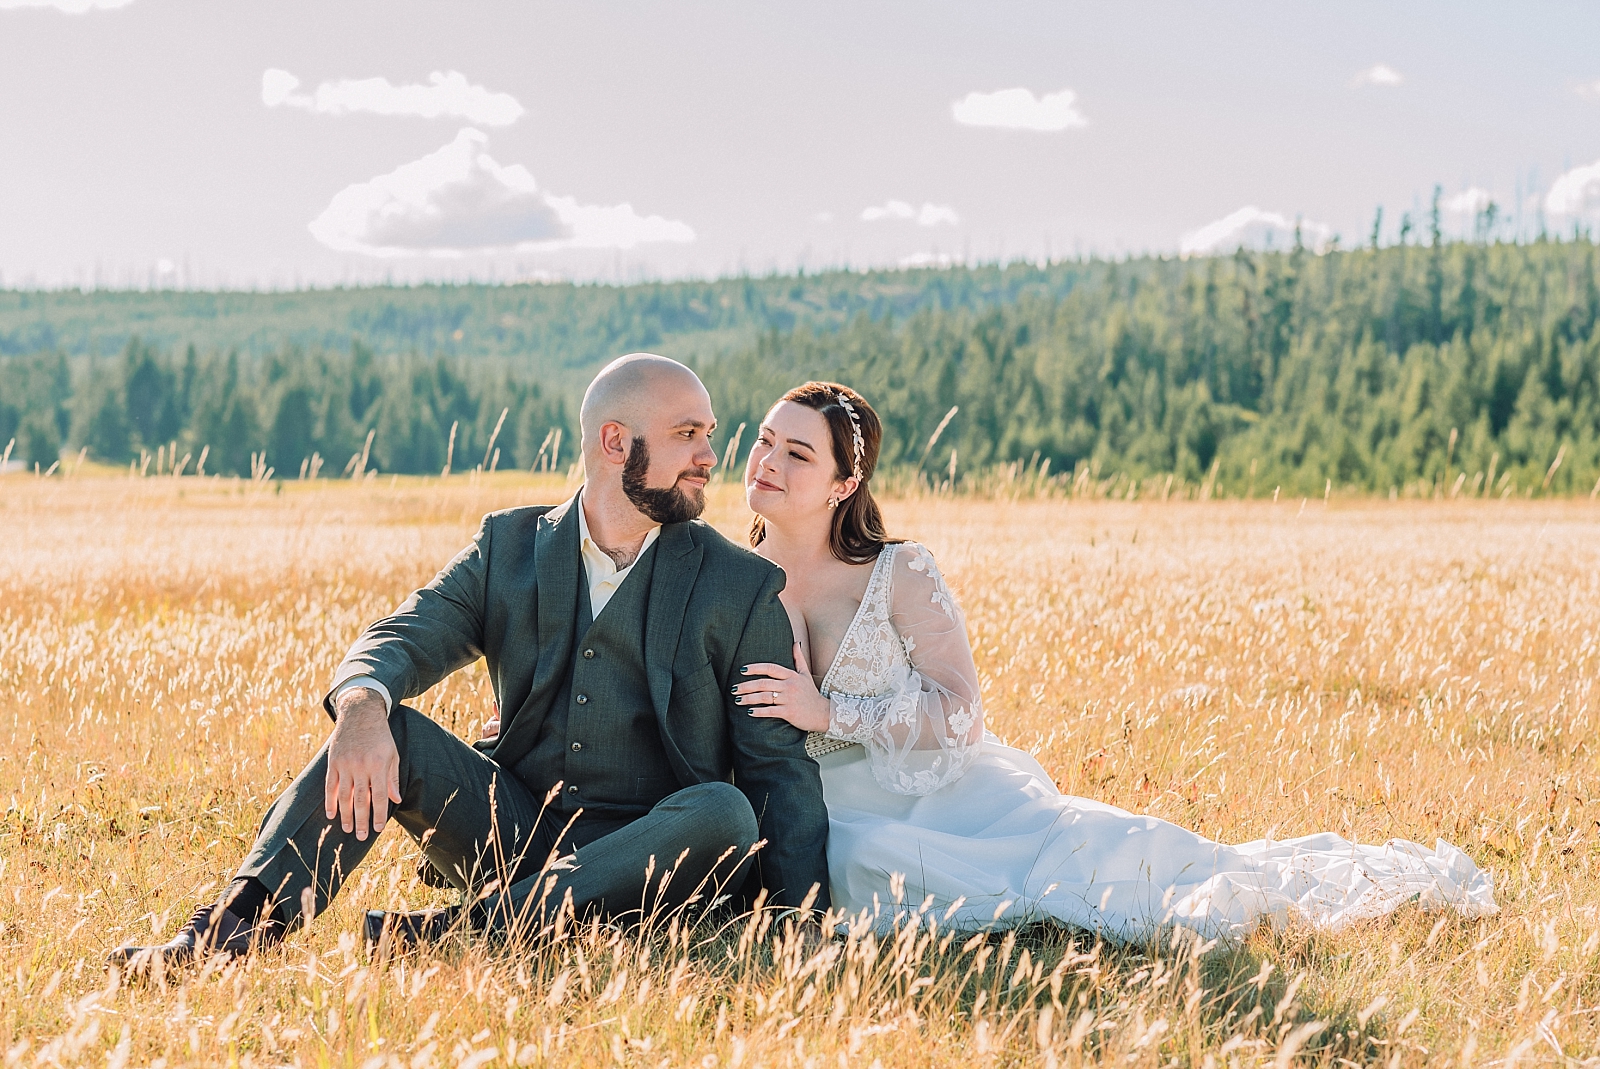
1244	669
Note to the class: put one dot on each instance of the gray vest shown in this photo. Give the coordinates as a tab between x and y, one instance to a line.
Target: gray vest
601	739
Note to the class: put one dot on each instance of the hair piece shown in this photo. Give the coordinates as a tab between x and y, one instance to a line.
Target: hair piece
858	447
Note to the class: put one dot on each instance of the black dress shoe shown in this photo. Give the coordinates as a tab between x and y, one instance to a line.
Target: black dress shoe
397	932
212	930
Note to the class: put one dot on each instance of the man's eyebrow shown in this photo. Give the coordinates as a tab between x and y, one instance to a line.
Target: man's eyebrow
695	423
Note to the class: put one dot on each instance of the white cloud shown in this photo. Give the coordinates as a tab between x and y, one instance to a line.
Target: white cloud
445	95
1576	191
929	215
929	259
1252	228
1588	89
1379	74
70	7
1019	109
459	200
1469	201
895	209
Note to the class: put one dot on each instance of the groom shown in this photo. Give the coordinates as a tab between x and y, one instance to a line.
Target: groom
614	627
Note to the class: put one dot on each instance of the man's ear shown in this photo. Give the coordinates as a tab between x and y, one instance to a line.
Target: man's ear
614	442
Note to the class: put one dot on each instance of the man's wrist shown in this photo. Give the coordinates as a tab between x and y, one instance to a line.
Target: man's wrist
363	683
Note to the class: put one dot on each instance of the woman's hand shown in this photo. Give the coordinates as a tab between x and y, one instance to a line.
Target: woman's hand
788	694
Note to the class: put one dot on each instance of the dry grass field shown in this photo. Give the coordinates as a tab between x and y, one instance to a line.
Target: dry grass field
1247	669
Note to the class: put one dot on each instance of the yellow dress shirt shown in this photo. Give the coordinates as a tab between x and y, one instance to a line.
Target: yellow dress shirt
602	572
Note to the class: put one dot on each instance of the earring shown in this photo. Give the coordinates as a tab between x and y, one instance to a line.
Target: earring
833	503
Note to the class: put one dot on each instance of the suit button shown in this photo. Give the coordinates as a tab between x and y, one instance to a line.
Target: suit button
577	746
583	699
572	789
588	655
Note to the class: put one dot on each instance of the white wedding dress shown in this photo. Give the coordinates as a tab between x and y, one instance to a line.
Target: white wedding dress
923	801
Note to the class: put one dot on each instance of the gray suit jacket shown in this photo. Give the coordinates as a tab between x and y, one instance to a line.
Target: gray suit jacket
510	598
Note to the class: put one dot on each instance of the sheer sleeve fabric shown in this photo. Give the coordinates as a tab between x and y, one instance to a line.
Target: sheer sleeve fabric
927	728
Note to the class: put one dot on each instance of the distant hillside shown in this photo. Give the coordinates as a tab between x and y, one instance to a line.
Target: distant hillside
1443	368
545	327
1447	367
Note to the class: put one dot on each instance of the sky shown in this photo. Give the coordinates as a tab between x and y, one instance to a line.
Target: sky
190	143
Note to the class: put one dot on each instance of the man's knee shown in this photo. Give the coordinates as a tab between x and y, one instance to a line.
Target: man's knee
404	722
423	745
723	813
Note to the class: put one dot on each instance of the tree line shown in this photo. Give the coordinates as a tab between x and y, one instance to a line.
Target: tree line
1443	367
295	411
1432	367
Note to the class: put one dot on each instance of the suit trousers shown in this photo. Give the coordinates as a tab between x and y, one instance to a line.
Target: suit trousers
490	835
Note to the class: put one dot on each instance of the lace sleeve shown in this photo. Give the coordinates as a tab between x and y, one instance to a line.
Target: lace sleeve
925	731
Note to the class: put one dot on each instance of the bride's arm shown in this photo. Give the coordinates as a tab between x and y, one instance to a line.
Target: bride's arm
925	732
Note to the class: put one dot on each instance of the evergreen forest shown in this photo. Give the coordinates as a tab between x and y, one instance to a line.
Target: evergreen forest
1420	368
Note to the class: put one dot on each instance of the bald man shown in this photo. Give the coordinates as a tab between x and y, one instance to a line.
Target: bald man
617	777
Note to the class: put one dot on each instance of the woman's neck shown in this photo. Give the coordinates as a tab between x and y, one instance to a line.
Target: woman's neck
793	548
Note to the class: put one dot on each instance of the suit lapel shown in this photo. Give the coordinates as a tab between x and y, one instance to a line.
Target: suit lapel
556	566
677	565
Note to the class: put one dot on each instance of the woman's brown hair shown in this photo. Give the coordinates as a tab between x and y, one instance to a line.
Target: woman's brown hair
857	535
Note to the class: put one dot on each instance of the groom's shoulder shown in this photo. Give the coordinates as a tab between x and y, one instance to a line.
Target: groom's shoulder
729	561
520	521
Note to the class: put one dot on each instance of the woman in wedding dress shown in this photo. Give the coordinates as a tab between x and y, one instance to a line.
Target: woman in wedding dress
919	791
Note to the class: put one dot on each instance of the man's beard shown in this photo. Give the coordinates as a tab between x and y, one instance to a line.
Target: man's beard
662	504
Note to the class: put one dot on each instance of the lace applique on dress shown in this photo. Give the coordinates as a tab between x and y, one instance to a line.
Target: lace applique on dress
903	683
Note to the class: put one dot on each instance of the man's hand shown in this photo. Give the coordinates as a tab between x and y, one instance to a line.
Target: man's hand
363	764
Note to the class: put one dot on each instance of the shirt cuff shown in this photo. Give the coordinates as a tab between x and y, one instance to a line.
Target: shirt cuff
370	684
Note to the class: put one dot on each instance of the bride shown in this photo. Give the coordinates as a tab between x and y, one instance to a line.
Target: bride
919	791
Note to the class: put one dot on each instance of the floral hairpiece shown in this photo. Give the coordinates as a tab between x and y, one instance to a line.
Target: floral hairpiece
855	433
